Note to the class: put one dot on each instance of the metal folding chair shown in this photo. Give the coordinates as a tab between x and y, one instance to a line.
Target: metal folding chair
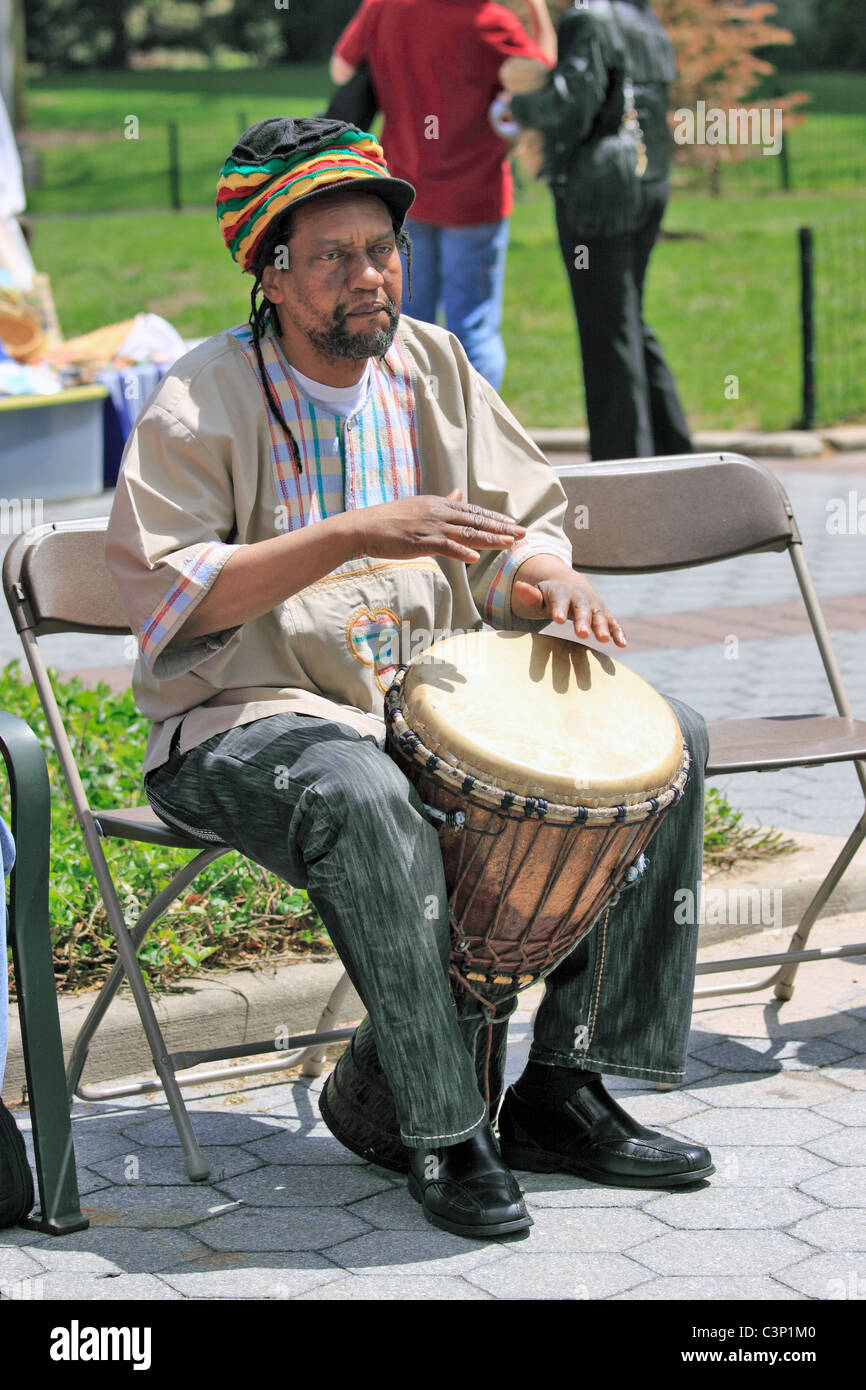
59	1202
650	515
56	580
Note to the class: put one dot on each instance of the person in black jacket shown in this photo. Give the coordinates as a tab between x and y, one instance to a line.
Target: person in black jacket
631	399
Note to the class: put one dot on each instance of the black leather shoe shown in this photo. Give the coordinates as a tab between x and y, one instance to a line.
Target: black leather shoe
590	1135
467	1190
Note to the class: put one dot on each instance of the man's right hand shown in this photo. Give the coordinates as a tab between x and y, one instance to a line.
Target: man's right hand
430	525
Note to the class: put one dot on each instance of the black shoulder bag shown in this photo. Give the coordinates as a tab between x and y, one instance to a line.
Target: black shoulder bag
600	183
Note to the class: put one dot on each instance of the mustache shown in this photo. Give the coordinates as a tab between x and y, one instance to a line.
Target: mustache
389	307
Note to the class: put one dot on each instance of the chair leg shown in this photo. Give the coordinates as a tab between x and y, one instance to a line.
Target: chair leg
785	984
196	1164
60	1204
154	910
783	976
314	1057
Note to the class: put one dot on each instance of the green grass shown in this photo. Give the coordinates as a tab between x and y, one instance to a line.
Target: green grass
722	294
88	163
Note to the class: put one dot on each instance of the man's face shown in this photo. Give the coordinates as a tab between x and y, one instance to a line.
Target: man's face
342	290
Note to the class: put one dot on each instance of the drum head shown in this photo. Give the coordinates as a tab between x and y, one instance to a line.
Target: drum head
543	717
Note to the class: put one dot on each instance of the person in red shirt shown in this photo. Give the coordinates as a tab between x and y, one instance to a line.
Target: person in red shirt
435	66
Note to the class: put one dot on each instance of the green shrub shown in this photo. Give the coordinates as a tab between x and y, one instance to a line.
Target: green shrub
234	914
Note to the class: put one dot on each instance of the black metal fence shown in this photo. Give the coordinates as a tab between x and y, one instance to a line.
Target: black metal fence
833	317
162	164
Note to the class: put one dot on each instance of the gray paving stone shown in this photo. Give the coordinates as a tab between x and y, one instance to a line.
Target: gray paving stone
735	1206
89	1181
834	1277
846	1187
14	1265
849	1073
16	1237
613	1229
300	1145
428	1252
781	1090
847	1109
399	1287
211	1128
732	1289
765	1165
104	1248
165	1167
720	1252
391	1210
748	1125
771	1054
265	1228
580	1277
304	1185
853	1038
254	1280
834	1230
154	1206
846	1146
660	1108
286	1098
95	1140
120	1287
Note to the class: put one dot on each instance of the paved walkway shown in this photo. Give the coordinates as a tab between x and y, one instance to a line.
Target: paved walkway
778	1091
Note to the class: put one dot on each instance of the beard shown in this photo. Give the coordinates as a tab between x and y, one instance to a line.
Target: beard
339	343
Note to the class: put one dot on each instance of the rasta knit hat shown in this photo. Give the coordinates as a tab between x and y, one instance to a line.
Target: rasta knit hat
282	162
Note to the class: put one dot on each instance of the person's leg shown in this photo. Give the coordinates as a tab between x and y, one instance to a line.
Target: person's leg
622	1001
669	425
426	272
328	811
606	303
473	284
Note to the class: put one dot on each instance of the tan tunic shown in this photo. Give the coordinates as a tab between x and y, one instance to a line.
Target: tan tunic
199	479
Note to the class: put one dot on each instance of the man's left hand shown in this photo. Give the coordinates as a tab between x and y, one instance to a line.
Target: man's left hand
562	595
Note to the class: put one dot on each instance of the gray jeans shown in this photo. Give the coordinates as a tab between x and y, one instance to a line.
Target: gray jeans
328	811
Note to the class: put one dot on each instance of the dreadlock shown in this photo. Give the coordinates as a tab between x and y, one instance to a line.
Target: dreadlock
263	316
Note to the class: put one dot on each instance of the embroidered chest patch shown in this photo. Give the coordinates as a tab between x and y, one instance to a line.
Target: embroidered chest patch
373	638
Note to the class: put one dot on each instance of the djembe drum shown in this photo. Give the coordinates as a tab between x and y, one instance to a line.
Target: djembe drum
548	768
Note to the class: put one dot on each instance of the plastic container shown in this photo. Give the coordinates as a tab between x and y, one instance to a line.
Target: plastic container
51	447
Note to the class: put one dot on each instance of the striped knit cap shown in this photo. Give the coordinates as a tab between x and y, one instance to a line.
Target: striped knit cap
279	163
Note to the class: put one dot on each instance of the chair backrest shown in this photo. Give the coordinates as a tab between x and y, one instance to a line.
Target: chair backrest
65	583
642	515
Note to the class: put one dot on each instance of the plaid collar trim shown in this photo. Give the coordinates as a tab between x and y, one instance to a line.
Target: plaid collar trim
374	459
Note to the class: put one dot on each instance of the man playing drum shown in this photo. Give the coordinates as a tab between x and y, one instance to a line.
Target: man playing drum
299	495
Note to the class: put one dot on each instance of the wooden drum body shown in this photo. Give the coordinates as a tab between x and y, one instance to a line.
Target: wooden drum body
548	768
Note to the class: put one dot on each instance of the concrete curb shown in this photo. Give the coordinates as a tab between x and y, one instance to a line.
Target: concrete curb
752	443
245	1005
776	892
220	1010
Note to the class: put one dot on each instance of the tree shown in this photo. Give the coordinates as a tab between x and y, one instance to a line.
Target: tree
717	43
